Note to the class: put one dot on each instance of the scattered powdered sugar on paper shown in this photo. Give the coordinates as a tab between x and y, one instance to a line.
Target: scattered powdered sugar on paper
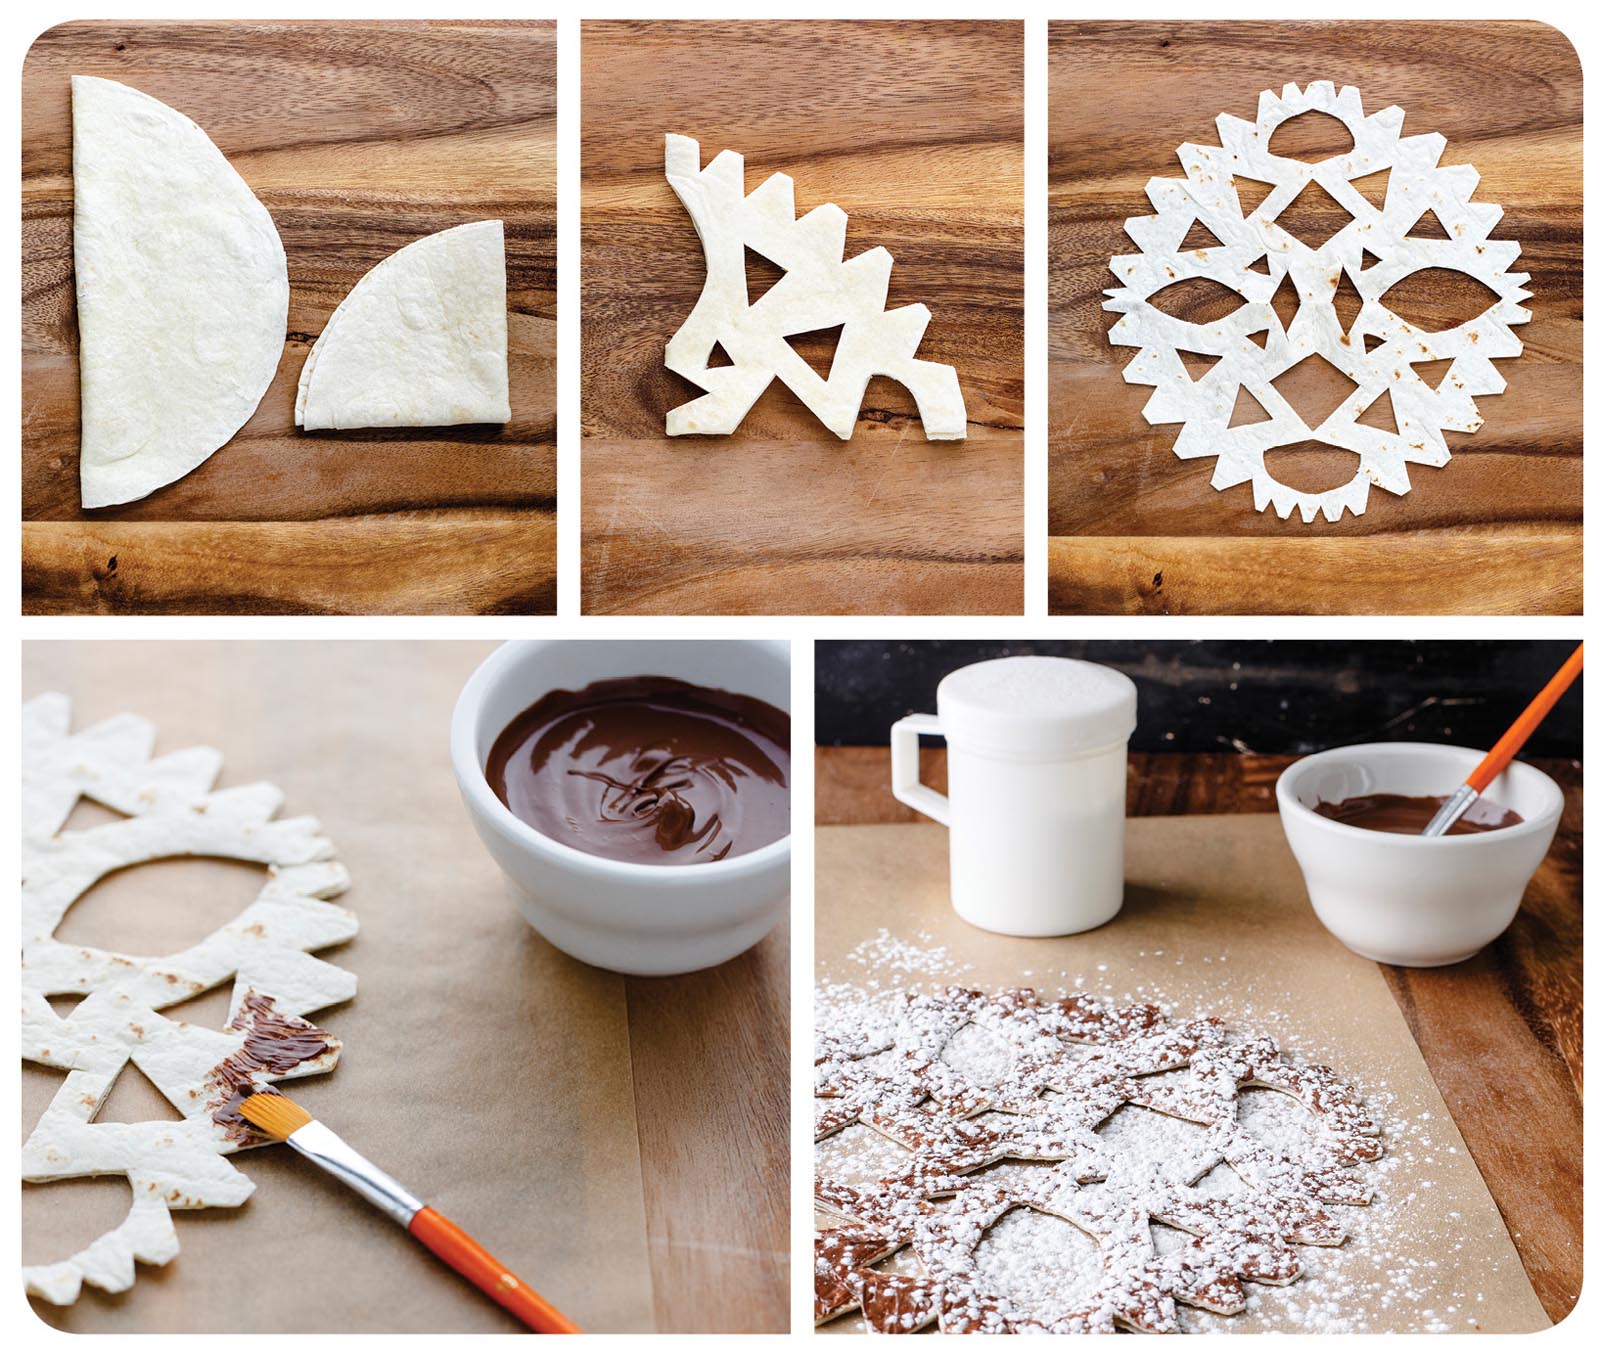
899	960
1030	1265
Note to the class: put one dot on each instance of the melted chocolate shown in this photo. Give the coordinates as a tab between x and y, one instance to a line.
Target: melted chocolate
273	1043
1412	813
648	769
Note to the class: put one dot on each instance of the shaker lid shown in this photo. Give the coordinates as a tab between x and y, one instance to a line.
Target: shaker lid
1037	707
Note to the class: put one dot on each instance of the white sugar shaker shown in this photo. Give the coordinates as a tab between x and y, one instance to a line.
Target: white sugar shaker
1038	757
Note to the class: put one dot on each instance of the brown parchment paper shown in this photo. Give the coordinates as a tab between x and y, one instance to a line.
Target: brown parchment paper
1216	921
483	1068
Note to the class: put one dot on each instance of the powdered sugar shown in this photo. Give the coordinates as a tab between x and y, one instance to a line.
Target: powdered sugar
965	1155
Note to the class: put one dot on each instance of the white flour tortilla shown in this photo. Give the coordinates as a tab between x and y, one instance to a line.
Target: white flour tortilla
169	808
420	342
183	292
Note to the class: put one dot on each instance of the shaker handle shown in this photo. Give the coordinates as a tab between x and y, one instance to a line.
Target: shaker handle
905	769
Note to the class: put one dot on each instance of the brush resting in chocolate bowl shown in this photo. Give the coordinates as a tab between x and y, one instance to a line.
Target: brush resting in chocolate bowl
1411	814
1418	854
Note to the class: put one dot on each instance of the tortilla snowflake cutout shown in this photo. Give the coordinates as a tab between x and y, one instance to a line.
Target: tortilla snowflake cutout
819	289
1052	1088
169	811
1377	247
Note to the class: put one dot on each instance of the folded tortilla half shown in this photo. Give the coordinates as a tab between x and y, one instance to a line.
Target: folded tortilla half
420	342
183	292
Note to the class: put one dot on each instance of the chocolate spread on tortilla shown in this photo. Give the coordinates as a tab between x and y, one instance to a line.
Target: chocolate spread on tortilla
274	1042
1412	813
649	770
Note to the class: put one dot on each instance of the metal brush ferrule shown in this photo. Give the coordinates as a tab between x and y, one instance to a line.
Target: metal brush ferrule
1451	810
319	1143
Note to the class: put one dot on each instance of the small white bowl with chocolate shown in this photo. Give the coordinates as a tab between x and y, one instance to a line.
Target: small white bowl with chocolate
1354	818
635	793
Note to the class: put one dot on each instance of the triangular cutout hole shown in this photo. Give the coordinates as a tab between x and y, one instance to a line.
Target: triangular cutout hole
719	356
134	1098
1373	187
1247	410
1368	260
209	1009
761	275
1428	227
1259	338
817	347
87	814
1252	193
1200	236
1372	341
1261	266
1198	364
1380	415
1431	373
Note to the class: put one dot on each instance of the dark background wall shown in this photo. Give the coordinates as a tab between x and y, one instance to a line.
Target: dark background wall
1252	696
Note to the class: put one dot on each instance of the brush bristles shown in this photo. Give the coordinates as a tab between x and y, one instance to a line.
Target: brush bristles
274	1113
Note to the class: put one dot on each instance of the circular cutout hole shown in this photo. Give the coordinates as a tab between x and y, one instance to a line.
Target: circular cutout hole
1312	467
1042	1263
161	907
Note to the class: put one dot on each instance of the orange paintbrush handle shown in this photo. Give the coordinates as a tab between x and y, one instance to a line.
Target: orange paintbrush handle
466	1257
1512	740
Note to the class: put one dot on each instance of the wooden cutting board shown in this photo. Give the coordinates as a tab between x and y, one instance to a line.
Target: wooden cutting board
915	130
359	138
1135	530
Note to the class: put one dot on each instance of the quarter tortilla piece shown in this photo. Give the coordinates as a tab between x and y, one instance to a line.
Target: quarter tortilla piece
420	342
183	292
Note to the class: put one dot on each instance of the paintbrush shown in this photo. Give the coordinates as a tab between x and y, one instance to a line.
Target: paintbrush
277	1115
1510	744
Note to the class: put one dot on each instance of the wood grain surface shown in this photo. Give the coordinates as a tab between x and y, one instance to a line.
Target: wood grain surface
1502	1033
714	1148
1134	529
915	130
359	138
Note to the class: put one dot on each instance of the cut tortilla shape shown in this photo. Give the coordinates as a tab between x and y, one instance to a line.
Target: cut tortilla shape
182	287
1383	195
819	289
420	341
126	1025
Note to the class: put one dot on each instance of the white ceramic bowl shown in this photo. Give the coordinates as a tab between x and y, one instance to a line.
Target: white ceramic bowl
636	919
1414	900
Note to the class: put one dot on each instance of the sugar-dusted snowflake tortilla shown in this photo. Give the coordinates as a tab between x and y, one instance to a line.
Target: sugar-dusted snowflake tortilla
819	289
169	810
420	341
1372	252
1065	1069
